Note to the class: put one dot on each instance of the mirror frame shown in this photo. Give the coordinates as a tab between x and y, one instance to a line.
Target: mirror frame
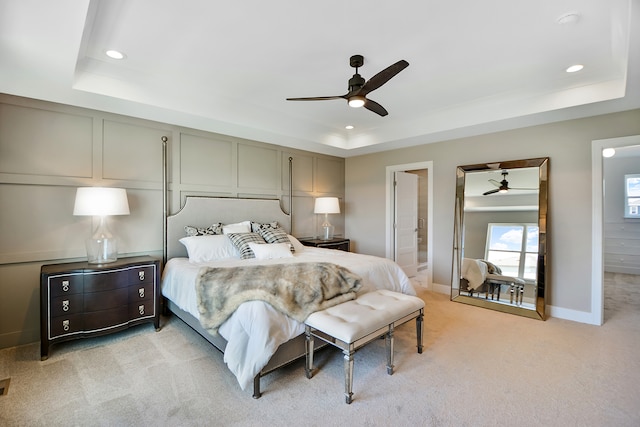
542	164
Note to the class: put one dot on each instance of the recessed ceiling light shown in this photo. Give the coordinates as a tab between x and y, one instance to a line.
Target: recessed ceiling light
349	127
114	54
568	18
575	68
608	152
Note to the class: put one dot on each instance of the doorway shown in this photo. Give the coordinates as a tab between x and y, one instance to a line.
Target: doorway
597	255
424	171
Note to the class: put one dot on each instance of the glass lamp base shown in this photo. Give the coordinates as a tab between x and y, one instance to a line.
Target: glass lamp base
102	250
327	232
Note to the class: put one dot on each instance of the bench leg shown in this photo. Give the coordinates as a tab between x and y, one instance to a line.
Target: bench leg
308	344
348	376
389	345
419	326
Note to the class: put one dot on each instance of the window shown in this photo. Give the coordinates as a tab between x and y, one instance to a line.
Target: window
514	248
632	196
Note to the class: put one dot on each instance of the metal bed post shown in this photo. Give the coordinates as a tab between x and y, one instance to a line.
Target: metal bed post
291	195
164	200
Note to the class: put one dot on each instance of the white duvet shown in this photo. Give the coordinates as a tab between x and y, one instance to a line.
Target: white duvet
256	330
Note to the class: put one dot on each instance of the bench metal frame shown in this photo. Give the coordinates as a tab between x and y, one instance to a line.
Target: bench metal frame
349	348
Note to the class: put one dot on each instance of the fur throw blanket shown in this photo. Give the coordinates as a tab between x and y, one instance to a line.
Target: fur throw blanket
296	290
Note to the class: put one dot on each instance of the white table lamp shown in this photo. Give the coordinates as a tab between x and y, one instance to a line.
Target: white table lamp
326	206
101	201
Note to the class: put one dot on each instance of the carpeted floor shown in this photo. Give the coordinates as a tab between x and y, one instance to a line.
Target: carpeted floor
479	368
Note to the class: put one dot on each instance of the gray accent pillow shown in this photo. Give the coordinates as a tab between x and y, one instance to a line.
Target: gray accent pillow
203	231
256	226
241	242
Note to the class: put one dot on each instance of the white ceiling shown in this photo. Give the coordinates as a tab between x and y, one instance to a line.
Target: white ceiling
227	67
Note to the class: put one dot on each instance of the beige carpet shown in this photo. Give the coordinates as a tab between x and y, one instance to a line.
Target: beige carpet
479	368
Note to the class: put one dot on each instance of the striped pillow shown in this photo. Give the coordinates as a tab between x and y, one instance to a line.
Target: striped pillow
241	242
275	235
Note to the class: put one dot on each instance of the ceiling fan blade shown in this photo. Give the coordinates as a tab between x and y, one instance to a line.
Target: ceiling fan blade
494	182
486	193
375	107
521	188
382	77
318	98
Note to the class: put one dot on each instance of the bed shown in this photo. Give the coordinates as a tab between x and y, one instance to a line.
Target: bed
256	339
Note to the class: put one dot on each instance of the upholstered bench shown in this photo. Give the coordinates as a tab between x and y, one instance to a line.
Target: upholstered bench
355	323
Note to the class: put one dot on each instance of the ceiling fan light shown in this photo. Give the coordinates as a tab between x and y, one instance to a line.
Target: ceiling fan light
356	101
503	190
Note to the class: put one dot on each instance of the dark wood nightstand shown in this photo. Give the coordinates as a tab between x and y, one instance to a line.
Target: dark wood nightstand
79	300
336	243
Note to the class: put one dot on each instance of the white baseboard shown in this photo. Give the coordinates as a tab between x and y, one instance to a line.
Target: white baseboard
623	270
573	315
441	289
552	311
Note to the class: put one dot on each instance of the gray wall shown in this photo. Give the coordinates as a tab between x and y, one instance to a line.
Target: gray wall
568	144
48	150
621	235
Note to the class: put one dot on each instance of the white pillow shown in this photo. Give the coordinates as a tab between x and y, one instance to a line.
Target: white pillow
297	246
209	248
238	227
271	250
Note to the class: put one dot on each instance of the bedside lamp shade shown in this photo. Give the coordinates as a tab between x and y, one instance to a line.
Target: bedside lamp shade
101	202
326	206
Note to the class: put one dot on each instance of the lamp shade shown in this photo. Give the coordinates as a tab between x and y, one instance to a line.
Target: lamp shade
327	205
101	201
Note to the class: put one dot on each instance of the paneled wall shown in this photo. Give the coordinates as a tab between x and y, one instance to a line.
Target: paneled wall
48	150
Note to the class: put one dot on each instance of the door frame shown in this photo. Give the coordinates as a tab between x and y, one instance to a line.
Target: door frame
389	215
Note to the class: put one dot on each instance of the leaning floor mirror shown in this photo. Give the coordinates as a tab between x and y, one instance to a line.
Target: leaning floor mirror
500	236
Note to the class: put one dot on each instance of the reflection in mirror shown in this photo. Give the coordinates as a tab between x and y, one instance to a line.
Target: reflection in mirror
500	236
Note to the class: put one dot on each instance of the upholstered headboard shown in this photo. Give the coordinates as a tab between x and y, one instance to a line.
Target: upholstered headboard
205	211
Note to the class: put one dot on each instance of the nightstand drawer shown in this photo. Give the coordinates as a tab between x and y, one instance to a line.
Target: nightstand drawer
67	304
141	275
66	284
106	318
97	301
140	292
96	282
64	325
337	243
344	246
141	309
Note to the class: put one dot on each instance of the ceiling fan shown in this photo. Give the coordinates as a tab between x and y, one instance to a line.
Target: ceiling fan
503	186
359	88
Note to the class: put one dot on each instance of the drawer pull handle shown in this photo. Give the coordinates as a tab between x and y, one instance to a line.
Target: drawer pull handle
141	309
65	325
141	292
65	285
65	305
141	275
